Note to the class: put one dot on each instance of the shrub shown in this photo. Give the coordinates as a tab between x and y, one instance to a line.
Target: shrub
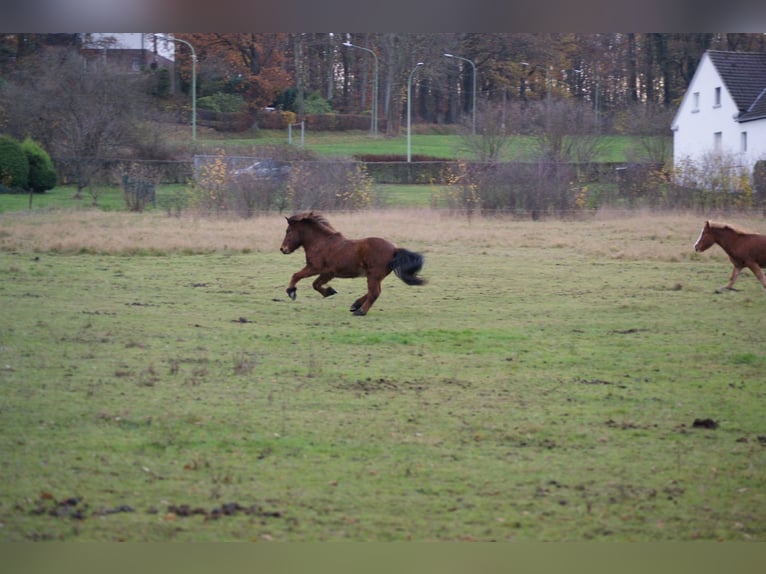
531	189
42	174
220	189
275	120
222	102
316	104
759	179
714	181
14	166
328	184
139	182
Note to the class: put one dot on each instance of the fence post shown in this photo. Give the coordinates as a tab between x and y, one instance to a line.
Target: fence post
290	132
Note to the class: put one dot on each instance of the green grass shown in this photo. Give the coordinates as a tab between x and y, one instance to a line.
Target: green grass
542	386
347	144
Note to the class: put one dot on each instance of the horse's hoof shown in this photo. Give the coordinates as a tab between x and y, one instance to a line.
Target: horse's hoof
291	293
330	291
359	312
355	307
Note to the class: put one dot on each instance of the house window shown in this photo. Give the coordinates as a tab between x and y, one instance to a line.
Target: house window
743	142
717	103
717	141
136	64
695	102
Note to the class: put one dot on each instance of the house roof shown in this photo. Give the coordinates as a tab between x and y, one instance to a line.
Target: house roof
744	74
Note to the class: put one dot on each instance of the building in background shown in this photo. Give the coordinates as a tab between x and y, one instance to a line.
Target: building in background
723	110
132	52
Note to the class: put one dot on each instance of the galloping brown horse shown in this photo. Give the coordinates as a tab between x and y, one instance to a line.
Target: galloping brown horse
744	249
329	255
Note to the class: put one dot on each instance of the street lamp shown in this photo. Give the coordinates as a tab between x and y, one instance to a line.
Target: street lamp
473	98
194	81
409	113
374	128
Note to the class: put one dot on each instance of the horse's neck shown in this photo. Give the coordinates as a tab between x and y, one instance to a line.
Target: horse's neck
314	238
725	237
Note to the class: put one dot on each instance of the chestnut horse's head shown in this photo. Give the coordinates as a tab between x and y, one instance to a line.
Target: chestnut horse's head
292	240
304	229
706	238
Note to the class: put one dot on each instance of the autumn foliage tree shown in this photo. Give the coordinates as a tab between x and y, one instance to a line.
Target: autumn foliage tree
255	65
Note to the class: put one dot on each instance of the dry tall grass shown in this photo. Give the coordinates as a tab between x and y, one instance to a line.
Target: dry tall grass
628	236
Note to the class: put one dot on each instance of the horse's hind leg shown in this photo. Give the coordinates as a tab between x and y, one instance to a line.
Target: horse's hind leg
373	292
758	272
356	305
319	282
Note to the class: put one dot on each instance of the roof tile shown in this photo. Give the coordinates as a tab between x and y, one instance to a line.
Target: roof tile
744	74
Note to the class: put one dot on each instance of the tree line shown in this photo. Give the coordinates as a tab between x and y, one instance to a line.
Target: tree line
610	72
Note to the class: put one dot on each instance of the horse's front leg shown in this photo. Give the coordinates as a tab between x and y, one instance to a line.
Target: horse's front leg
302	274
734	274
319	285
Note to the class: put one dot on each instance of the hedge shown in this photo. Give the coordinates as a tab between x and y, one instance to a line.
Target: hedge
14	165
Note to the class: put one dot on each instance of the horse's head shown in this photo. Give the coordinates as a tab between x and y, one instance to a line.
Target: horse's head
292	240
706	238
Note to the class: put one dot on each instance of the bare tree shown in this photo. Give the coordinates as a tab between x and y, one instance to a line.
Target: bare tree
565	130
651	123
80	110
491	137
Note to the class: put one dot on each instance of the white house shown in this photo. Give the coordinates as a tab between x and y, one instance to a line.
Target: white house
723	110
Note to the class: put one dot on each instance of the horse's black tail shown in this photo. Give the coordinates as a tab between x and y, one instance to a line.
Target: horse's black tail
407	264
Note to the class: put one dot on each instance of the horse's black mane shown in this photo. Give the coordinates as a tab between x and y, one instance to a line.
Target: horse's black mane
313	217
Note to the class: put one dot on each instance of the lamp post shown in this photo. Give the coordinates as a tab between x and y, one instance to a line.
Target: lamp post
473	97
374	128
194	81
409	112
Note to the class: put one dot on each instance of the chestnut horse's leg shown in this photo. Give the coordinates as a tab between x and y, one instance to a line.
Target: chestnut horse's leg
320	281
373	292
758	272
358	303
302	274
734	274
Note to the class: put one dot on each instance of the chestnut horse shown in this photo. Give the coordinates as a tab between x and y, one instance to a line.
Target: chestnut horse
329	255
744	249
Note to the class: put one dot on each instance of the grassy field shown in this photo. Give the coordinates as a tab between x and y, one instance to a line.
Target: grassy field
347	144
555	380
